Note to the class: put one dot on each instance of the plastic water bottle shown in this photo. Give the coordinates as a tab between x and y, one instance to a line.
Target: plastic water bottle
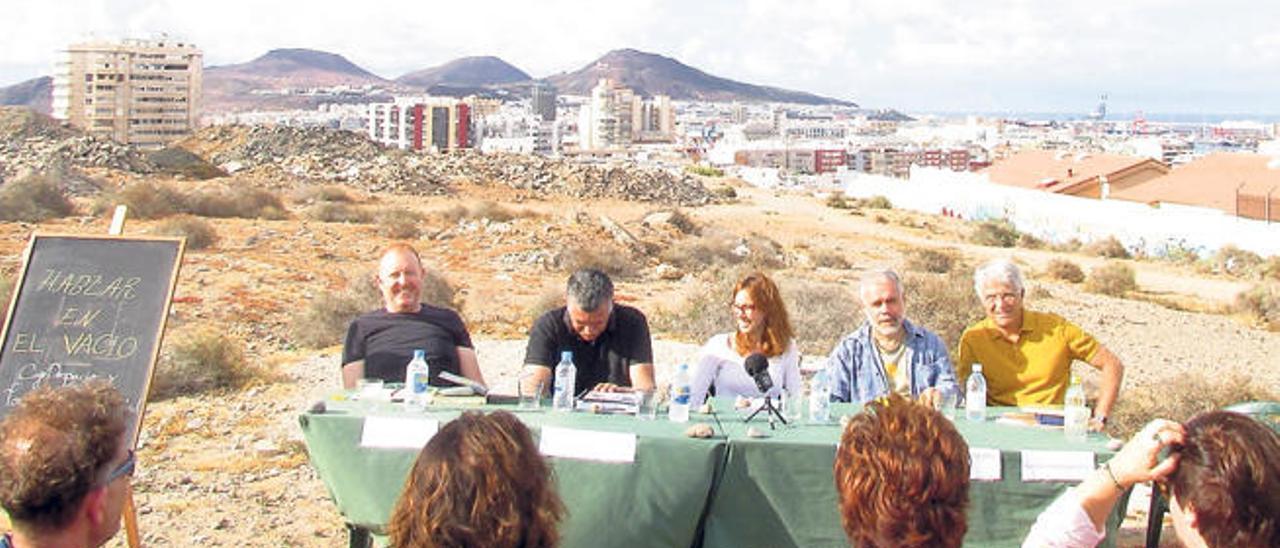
417	378
1075	411
819	399
975	395
680	393
566	377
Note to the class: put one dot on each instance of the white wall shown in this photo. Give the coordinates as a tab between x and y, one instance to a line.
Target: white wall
1060	218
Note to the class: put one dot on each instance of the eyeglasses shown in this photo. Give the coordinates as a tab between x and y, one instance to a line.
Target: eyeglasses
125	469
1007	298
743	308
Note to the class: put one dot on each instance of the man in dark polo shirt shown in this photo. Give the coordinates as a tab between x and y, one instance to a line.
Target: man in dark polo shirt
610	342
380	343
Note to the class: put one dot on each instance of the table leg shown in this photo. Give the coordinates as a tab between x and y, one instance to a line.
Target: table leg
1155	518
359	537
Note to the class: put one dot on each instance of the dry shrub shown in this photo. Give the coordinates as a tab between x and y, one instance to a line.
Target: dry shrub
145	201
608	258
1108	247
722	249
550	298
1261	303
327	193
33	198
724	193
1070	246
198	232
1182	396
876	202
677	218
1027	241
183	163
324	321
995	234
1039	292
199	361
1270	270
821	313
492	211
942	303
837	200
397	223
1233	261
704	310
1114	279
239	202
6	293
931	260
826	258
437	290
336	212
1067	271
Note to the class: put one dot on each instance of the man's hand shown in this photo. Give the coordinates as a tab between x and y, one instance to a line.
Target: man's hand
610	387
931	397
1138	460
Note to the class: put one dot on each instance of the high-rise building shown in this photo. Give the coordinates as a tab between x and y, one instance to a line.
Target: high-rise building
542	98
422	123
616	117
140	92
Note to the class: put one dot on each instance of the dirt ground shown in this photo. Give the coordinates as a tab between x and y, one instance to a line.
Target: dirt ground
229	468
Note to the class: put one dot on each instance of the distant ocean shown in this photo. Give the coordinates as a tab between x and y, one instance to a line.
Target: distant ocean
1168	117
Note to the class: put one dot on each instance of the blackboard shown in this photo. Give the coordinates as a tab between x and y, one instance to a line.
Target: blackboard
88	307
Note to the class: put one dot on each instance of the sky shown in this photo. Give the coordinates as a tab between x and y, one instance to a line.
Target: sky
1176	56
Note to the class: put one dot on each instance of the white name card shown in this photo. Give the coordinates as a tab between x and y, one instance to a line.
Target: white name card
588	444
398	432
1056	465
984	464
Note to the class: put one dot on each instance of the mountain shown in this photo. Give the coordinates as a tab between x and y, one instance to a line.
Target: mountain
232	87
36	94
466	72
650	74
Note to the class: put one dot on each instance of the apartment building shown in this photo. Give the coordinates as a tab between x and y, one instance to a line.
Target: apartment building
421	123
615	117
140	92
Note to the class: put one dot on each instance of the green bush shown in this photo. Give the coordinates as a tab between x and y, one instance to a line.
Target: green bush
705	171
33	198
1262	303
942	303
337	212
1181	396
397	223
724	193
931	260
198	232
1114	279
199	361
995	234
1108	247
1067	271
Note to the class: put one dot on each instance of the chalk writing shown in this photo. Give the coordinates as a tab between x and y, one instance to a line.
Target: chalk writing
34	375
105	346
89	285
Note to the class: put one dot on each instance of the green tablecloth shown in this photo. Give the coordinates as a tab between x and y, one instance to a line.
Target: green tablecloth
776	491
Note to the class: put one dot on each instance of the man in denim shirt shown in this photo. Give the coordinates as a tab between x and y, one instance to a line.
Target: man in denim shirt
888	353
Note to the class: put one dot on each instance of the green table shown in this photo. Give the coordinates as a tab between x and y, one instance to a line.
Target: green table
730	490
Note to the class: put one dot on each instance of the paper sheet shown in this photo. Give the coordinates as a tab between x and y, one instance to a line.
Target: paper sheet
1056	465
984	464
588	444
398	432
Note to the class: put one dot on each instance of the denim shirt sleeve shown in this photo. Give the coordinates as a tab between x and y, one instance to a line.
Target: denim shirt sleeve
840	370
933	360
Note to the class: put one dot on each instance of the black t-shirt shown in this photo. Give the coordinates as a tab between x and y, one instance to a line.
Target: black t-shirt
624	343
386	341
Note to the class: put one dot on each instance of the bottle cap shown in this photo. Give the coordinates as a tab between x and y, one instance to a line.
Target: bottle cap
566	355
977	368
419	354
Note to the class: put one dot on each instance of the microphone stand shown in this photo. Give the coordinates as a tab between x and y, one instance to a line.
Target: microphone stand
773	412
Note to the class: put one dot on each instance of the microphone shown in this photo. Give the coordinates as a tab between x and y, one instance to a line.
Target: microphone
757	366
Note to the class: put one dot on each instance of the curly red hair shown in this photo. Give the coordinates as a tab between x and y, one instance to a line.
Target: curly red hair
480	481
902	472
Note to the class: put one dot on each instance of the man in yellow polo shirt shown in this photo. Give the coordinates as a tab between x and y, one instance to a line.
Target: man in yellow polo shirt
1026	356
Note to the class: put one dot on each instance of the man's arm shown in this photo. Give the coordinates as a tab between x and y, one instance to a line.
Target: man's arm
352	373
535	378
642	376
468	364
1112	375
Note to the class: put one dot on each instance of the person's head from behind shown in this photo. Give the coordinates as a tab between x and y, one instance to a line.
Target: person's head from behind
760	316
589	302
400	276
480	481
65	463
902	473
1226	489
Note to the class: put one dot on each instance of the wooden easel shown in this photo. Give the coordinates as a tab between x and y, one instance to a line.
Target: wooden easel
130	512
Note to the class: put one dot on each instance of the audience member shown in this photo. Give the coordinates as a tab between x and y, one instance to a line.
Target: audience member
888	353
610	342
763	327
381	343
1026	356
480	481
65	465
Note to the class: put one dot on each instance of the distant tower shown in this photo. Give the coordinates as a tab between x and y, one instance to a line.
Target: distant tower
1100	112
543	100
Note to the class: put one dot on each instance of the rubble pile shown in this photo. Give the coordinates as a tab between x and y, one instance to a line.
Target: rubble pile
34	142
322	155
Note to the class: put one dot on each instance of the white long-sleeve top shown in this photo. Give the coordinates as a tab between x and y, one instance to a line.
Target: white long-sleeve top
718	364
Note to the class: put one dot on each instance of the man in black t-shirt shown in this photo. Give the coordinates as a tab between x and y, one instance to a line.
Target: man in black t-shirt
610	342
380	343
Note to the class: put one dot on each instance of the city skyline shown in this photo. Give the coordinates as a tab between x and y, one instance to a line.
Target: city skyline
987	56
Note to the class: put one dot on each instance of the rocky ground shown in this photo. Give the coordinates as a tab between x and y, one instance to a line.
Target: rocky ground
228	467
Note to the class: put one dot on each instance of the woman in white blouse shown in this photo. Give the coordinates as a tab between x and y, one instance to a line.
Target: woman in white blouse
762	327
